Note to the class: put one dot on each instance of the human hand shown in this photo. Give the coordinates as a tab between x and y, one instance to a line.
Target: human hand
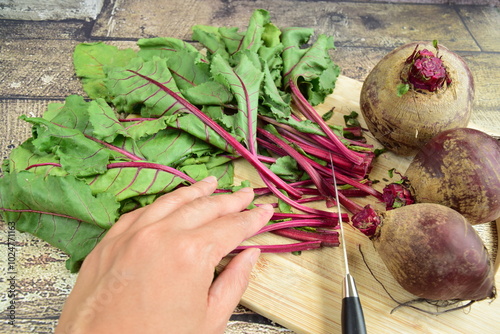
153	272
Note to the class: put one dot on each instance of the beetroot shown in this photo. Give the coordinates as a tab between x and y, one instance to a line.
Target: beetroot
431	250
413	93
459	168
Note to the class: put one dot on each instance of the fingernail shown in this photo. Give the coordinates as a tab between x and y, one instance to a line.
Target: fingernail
267	207
246	190
210	179
254	256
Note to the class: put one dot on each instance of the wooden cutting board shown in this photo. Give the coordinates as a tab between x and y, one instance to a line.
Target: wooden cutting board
303	293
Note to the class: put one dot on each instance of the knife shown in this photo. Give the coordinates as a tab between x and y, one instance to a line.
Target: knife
352	318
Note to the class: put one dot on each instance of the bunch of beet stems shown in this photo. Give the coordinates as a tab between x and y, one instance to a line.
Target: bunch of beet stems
320	175
313	228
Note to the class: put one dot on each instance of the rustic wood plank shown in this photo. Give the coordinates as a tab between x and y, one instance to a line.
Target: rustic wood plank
39	326
249	328
389	25
352	24
357	62
491	3
14	131
435	2
483	23
35	68
486	109
42	284
67	29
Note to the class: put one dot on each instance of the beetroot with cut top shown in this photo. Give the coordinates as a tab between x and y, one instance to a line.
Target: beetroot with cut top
426	71
396	195
415	92
431	250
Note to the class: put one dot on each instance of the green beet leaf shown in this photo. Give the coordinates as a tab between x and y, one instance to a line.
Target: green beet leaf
271	56
132	180
208	93
253	38
189	68
90	59
105	123
58	209
222	168
138	128
228	41
310	68
163	47
78	154
287	168
26	155
211	39
276	102
194	126
218	166
244	81
73	114
171	147
133	90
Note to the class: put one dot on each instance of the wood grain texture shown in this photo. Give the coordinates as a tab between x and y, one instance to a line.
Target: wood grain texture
486	109
44	30
352	24
436	2
31	69
43	284
483	24
36	69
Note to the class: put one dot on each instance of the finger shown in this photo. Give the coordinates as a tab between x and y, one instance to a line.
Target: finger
168	203
226	233
124	222
163	206
227	289
205	209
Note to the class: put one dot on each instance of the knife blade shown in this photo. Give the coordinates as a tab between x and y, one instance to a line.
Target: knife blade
352	317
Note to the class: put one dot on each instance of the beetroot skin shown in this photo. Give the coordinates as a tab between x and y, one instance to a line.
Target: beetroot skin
432	251
460	169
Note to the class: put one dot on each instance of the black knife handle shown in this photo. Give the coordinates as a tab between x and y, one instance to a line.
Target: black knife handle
353	320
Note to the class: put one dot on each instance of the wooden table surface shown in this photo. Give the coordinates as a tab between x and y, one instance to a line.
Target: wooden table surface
36	69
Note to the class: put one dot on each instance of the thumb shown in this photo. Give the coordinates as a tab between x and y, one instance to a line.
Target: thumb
227	289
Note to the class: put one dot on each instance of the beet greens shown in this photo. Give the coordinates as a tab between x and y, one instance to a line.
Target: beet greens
168	114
